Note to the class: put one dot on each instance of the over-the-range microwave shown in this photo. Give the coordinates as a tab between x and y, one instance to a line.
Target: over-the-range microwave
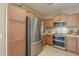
59	24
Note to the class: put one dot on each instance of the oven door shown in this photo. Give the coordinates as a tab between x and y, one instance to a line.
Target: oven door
58	43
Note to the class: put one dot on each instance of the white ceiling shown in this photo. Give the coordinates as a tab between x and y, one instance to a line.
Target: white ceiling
44	9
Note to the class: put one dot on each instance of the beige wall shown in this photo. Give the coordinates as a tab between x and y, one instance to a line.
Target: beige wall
2	30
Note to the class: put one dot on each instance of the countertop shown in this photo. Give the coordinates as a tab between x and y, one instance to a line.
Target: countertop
48	33
73	35
66	35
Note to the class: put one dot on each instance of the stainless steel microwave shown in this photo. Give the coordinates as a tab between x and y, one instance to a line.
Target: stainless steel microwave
59	24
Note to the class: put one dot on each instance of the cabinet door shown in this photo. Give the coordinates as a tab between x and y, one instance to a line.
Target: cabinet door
17	43
56	18
44	39
78	19
16	13
77	45
71	44
60	17
17	30
72	20
17	48
48	23
49	39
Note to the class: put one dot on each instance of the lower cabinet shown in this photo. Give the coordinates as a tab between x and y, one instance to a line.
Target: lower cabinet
47	39
17	48
77	45
44	39
71	44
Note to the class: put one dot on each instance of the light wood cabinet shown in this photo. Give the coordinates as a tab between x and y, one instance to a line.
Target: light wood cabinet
17	42
16	13
47	39
60	17
78	19
44	39
71	44
48	23
56	18
77	45
17	48
16	31
72	20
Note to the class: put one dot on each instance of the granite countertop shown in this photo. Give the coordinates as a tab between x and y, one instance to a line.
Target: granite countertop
48	33
73	35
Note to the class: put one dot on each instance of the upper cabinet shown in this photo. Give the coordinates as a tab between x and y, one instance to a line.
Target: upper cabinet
16	31
78	19
60	17
16	13
72	20
48	23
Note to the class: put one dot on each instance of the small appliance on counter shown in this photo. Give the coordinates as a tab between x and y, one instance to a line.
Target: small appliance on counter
73	31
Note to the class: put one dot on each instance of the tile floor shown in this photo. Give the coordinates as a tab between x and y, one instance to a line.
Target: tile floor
51	51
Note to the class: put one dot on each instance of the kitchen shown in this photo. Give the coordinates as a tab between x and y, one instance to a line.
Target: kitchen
30	30
67	32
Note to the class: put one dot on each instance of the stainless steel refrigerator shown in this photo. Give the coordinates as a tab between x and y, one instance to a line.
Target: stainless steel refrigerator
33	36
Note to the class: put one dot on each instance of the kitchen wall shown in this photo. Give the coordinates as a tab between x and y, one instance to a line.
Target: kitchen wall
2	29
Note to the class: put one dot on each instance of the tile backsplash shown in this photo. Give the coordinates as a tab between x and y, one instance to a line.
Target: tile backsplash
70	30
73	30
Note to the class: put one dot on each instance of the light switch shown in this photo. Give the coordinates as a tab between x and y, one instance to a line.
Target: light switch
0	36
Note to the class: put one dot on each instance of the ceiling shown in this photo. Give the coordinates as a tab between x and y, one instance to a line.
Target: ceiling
48	8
